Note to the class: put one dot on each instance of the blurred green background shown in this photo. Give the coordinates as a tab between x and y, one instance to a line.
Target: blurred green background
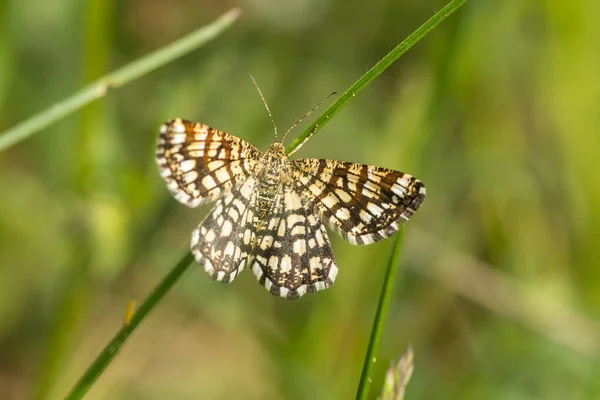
496	111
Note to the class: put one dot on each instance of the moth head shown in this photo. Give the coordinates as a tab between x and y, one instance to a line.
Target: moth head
277	149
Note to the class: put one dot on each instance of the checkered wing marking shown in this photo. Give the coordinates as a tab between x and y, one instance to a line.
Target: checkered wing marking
363	203
223	240
292	254
199	163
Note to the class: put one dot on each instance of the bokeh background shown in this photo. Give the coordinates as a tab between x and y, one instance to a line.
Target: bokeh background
497	111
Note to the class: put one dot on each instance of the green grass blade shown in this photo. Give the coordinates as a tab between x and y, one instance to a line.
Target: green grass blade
382	307
116	79
373	73
384	299
112	349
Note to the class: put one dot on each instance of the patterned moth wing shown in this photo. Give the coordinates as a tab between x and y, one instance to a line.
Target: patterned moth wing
199	163
292	254
363	203
270	211
223	240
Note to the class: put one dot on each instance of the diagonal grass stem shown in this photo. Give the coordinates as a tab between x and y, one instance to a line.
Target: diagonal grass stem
118	78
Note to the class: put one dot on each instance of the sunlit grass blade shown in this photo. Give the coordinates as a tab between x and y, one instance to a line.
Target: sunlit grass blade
116	79
132	321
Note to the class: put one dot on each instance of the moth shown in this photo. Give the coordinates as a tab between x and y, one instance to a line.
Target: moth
271	211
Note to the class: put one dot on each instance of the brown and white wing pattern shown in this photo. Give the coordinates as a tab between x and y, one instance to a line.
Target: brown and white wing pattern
223	240
292	254
270	212
199	163
363	203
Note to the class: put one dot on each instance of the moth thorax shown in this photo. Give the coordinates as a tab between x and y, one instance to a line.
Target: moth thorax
275	168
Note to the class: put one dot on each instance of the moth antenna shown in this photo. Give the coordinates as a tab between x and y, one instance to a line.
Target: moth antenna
266	105
307	114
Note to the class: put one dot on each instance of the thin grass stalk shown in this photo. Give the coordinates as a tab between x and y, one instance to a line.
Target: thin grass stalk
385	295
382	308
116	79
374	72
132	321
